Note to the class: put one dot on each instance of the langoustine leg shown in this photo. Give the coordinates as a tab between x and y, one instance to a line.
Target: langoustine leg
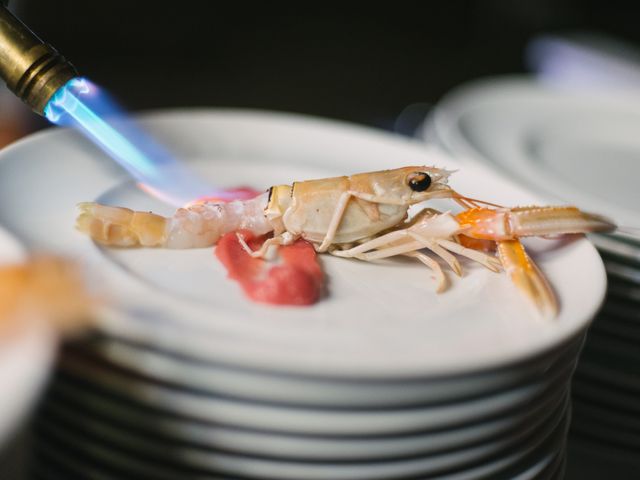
442	233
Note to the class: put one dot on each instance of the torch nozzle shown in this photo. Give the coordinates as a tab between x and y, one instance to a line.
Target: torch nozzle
33	70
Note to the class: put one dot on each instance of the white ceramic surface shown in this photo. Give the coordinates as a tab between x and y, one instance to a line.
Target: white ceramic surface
626	380
26	355
308	420
578	147
60	461
370	324
624	247
523	442
110	410
267	386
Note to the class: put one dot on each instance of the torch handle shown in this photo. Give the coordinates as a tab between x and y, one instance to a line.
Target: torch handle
33	70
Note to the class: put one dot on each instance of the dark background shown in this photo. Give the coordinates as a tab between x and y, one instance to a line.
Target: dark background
361	64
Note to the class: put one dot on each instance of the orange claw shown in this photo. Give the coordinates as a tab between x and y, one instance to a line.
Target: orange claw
506	225
527	277
510	223
477	243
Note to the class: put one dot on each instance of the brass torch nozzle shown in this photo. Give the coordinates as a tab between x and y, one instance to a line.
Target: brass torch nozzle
33	70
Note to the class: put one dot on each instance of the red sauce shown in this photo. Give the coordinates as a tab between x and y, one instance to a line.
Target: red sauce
296	280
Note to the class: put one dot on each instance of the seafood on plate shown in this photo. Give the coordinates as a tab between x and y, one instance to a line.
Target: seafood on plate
362	216
325	212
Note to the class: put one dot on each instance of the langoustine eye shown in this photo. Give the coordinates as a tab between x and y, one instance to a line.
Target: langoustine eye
419	181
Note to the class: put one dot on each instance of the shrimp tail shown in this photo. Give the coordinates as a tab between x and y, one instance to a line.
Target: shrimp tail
196	226
121	227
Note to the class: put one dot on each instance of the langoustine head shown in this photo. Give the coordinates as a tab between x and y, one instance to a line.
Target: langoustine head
406	185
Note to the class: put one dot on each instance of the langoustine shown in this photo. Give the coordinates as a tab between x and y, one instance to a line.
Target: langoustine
351	216
320	211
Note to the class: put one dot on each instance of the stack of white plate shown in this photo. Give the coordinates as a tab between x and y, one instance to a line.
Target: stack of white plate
184	419
606	387
27	355
580	148
382	379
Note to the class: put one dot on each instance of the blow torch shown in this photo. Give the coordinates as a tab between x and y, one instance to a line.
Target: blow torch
50	85
33	70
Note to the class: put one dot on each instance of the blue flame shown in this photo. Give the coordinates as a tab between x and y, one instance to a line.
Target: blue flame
81	104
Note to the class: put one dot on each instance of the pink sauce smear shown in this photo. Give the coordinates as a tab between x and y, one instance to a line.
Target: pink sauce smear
297	279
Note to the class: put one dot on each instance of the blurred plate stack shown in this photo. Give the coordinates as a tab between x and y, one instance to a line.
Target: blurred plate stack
27	353
580	148
382	379
110	411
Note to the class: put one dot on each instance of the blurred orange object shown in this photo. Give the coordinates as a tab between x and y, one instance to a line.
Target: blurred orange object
45	287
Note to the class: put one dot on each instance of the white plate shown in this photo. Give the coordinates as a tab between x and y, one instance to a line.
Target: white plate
620	351
627	380
628	274
577	147
620	399
95	458
371	323
56	460
625	248
622	310
254	385
624	289
604	415
253	467
610	325
598	458
623	439
306	420
87	405
26	356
